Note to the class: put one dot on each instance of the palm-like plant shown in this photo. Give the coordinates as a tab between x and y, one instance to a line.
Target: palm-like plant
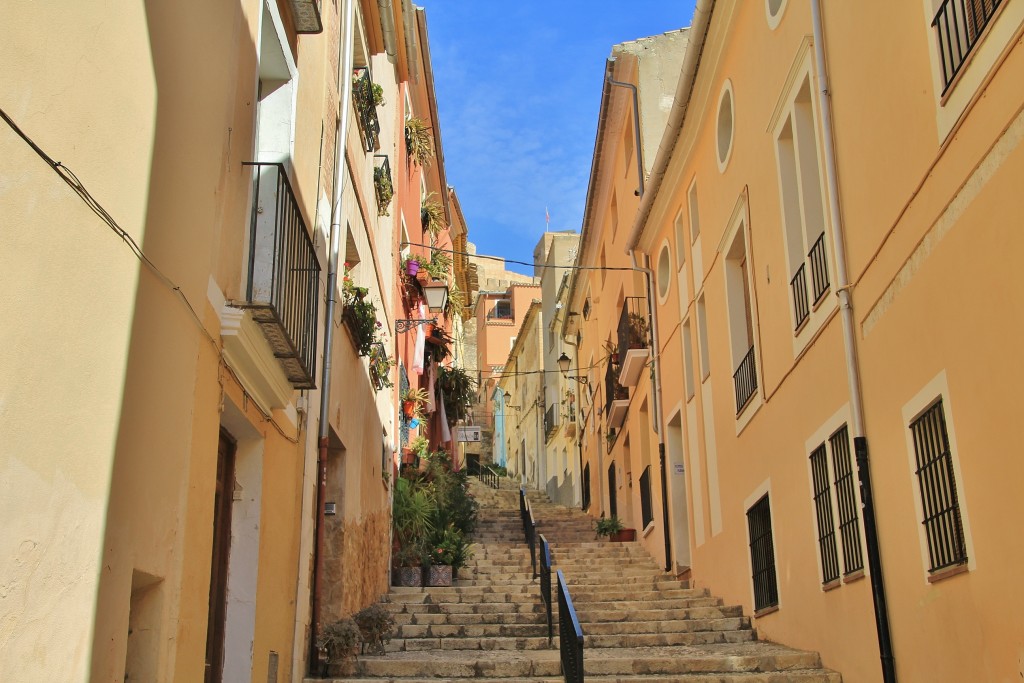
418	141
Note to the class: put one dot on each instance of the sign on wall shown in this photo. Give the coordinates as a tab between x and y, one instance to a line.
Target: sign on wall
468	434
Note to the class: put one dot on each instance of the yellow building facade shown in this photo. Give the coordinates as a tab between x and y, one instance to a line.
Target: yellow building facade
829	219
162	390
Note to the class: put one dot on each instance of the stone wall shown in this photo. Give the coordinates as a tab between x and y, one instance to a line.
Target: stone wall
355	572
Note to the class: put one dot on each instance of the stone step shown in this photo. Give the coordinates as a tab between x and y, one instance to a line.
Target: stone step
791	676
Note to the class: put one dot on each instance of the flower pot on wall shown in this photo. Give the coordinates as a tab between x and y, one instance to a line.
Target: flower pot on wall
409	408
439	575
412	267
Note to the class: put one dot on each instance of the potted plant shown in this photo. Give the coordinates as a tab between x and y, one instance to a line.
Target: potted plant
613	529
637	331
376	626
337	643
458	388
383	188
412	453
418	141
413	400
412	512
412	265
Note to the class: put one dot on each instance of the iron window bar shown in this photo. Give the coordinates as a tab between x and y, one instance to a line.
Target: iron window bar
846	496
937	482
823	513
958	25
819	269
283	273
798	286
570	635
762	555
745	380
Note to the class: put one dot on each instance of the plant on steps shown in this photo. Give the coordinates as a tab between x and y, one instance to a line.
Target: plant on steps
376	626
337	644
606	526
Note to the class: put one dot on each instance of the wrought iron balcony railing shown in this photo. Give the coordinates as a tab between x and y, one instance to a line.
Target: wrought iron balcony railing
958	24
745	380
819	269
613	391
551	421
283	274
366	108
633	330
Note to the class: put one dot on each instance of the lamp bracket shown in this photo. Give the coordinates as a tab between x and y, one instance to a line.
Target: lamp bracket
406	325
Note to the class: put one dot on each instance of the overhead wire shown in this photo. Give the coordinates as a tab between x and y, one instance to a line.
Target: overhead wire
78	187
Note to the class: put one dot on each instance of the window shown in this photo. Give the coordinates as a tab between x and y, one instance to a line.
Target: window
680	228
688	359
837	448
741	328
803	206
936	480
586	310
502	310
646	509
762	555
774	9
725	126
958	24
586	486
702	334
664	272
691	200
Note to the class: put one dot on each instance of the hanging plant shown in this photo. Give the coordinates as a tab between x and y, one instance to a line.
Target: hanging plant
456	301
418	141
432	216
458	389
384	189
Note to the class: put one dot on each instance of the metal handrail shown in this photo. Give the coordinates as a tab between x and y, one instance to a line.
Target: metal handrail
545	584
570	635
531	538
489	477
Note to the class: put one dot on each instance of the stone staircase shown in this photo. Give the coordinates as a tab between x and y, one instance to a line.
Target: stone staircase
639	624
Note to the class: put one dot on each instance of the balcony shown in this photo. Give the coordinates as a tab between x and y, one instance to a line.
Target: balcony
570	422
633	340
551	422
363	96
616	396
745	380
798	286
283	274
819	269
958	24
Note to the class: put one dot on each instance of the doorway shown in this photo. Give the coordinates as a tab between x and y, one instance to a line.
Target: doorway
219	559
613	508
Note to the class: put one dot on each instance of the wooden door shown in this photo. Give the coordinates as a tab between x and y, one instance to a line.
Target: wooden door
219	559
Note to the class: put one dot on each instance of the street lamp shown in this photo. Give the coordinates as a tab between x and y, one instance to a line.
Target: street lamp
436	294
563	365
508	397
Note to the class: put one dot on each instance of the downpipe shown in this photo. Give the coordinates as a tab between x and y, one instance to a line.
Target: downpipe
860	442
323	434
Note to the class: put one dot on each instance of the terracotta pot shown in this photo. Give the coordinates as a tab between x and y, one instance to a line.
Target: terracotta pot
409	408
423	276
439	575
428	329
409	457
407	576
624	536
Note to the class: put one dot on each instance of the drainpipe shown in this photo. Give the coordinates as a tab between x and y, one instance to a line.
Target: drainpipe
860	442
341	134
652	316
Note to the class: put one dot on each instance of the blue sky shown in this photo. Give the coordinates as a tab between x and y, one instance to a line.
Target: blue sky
518	89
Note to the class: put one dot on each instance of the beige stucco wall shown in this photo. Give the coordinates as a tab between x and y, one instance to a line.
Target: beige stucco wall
926	219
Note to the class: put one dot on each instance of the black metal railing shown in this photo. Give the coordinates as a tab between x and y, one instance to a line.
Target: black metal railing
646	508
745	380
284	274
633	328
958	24
366	108
613	391
529	529
819	268
551	421
762	555
798	286
570	635
545	584
489	477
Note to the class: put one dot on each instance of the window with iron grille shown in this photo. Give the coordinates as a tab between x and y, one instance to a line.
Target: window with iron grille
836	449
942	522
762	555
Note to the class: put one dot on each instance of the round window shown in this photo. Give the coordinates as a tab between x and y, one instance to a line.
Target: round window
725	126
774	9
664	272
